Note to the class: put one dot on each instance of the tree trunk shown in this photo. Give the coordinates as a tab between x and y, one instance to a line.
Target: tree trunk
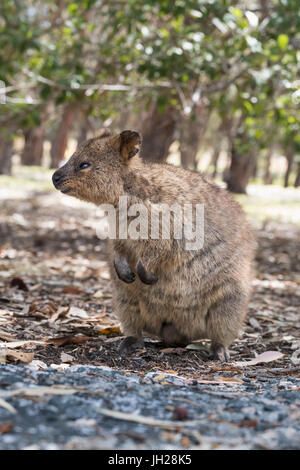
158	134
191	133
34	144
83	133
6	151
60	140
290	161
267	172
254	169
297	180
241	169
214	160
189	143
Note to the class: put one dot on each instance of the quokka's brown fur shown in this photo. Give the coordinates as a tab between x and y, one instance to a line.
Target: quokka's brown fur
196	294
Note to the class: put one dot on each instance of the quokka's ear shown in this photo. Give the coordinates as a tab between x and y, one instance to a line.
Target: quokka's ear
128	143
102	133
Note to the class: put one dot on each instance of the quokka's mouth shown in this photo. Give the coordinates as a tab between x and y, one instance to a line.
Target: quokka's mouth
65	190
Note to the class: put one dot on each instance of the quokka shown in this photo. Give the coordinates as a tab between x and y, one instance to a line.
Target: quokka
159	287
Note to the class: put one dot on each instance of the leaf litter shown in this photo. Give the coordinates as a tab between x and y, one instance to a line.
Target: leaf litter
55	307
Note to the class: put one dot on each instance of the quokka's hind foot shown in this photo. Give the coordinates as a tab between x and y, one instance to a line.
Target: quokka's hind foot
218	352
129	344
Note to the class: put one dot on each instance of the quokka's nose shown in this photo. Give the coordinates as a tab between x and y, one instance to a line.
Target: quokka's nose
56	178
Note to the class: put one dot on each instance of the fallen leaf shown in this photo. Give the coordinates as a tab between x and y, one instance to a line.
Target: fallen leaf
230	379
249	423
19	283
4	313
225	368
6	427
64	357
98	294
197	347
19	355
18	344
60	366
109	330
77	312
172	425
210	382
40	391
159	377
6	337
7	406
72	290
295	358
62	311
267	356
38	365
105	275
254	323
63	340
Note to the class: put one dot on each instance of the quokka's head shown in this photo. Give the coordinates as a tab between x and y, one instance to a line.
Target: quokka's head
95	171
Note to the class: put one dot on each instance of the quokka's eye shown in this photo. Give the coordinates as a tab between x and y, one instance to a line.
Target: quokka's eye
84	165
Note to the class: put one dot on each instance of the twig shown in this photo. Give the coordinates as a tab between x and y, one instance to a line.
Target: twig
172	425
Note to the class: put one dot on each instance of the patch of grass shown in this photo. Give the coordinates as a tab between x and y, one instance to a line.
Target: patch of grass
28	178
271	203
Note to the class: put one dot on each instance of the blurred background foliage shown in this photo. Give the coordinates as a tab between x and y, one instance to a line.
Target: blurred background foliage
212	85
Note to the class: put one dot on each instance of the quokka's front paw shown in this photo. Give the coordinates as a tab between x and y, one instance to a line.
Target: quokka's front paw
123	270
145	276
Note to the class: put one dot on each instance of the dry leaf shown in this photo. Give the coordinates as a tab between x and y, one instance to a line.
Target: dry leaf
72	290
197	346
98	294
19	283
19	355
295	358
18	344
105	275
60	366
230	379
267	356
7	406
159	377
64	357
5	336
39	391
6	427
77	312
109	330
169	350
38	365
62	311
5	313
172	425
63	340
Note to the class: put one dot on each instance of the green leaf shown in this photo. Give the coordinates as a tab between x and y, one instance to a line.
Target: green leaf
237	12
282	41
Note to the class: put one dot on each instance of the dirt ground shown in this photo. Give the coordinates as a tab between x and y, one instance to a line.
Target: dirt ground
55	298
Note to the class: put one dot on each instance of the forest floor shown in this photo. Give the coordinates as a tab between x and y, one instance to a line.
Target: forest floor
59	339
